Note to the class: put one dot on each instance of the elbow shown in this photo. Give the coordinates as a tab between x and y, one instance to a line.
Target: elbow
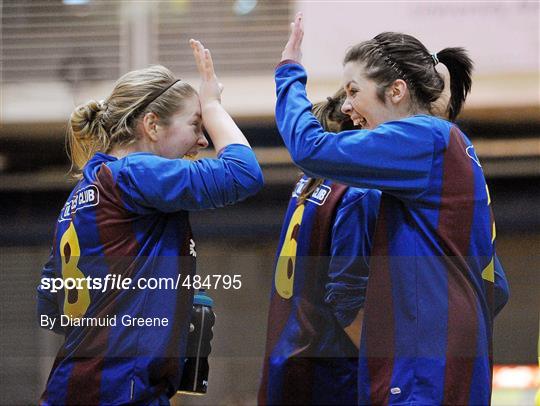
298	159
257	184
345	302
244	177
304	138
345	316
254	183
253	180
302	160
307	158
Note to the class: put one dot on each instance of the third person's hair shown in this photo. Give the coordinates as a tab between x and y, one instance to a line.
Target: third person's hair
332	119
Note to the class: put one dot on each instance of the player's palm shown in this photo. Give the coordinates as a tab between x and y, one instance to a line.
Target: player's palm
210	90
293	48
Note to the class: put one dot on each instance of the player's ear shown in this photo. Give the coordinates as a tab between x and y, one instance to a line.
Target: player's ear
149	126
397	91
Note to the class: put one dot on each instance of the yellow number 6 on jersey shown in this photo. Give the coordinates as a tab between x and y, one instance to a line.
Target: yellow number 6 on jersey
284	279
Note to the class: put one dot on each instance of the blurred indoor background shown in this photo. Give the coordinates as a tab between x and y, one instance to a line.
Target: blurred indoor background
57	54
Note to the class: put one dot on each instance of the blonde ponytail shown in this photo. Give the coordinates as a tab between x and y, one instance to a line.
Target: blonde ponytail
86	133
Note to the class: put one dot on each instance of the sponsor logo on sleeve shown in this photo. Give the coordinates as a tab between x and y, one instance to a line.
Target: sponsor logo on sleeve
299	187
81	199
318	196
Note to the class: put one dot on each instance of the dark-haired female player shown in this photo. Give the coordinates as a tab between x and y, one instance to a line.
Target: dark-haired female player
435	282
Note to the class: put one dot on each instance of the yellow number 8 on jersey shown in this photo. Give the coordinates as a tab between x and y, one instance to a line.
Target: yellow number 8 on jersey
284	279
76	301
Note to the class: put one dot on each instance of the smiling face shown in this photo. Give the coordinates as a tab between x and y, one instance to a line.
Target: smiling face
183	134
362	104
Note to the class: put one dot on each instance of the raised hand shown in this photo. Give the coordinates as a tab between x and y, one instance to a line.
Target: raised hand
211	89
218	123
293	48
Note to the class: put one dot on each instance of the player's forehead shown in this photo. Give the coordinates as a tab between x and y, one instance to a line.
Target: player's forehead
191	109
353	74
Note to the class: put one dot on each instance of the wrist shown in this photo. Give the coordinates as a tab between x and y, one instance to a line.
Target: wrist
287	61
210	105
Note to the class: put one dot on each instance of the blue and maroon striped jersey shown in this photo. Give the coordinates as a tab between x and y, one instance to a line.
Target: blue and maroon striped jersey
128	218
434	276
319	286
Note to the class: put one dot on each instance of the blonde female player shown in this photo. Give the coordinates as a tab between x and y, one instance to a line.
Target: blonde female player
128	217
435	282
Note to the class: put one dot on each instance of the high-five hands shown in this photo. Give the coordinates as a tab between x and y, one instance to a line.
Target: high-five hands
211	89
218	123
293	48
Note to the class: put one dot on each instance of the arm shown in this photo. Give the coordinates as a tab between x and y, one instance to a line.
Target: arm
349	264
149	182
169	185
501	290
218	123
47	303
395	157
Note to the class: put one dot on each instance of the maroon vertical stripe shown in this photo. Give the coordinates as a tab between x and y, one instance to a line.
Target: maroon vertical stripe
84	382
454	229
278	315
320	235
379	314
120	247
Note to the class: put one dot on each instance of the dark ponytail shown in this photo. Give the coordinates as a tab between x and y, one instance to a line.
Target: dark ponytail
460	67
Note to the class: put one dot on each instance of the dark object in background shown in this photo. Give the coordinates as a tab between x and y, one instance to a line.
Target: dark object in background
195	374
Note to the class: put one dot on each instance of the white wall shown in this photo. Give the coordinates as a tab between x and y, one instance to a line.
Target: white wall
502	37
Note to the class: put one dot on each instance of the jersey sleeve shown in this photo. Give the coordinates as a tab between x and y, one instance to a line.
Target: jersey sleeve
395	157
350	249
168	185
501	289
47	301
